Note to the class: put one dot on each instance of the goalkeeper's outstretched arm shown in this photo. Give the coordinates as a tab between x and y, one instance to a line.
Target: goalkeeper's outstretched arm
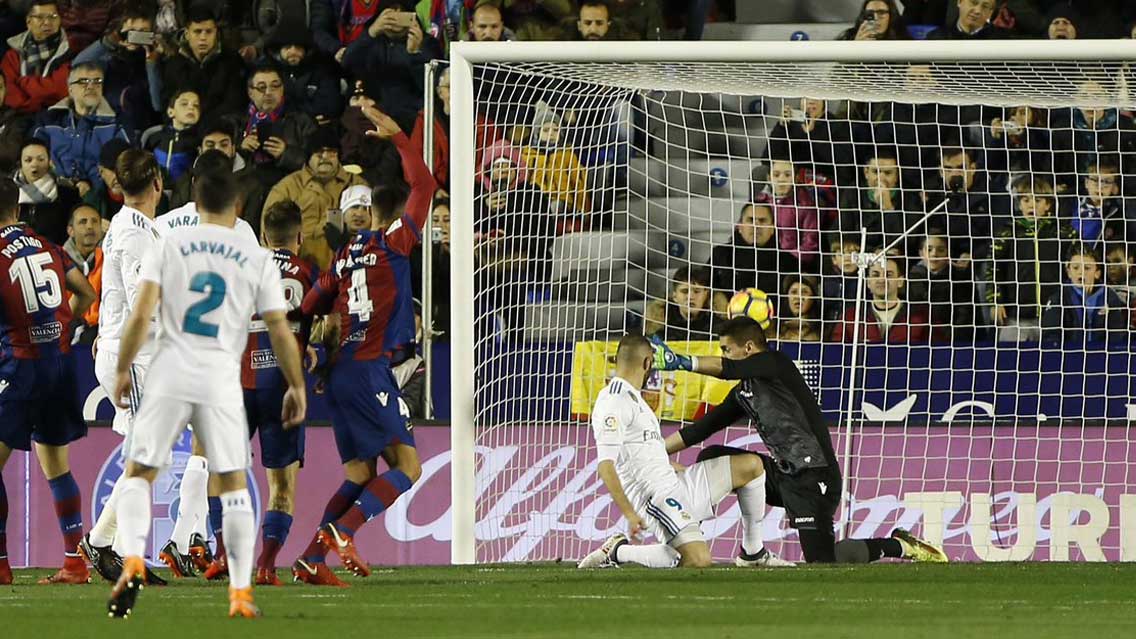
758	365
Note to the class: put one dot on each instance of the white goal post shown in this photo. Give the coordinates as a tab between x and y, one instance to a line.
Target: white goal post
993	73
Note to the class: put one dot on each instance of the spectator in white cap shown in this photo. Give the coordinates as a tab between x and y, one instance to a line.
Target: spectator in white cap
355	202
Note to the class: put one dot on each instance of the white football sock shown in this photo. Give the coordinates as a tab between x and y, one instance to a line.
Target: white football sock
133	517
751	501
103	532
653	556
238	524
193	503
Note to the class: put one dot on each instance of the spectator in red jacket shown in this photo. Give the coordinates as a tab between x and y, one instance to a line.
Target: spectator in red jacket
37	64
886	316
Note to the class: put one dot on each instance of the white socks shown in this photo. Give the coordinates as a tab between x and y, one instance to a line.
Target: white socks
133	517
193	504
751	501
103	532
238	524
653	556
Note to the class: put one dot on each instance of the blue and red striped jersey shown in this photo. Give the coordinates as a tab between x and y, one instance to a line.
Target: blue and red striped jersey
35	318
369	282
259	368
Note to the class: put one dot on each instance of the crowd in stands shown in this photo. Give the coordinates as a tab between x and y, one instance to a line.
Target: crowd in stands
1033	238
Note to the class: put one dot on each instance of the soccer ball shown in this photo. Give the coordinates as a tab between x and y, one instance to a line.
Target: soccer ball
752	302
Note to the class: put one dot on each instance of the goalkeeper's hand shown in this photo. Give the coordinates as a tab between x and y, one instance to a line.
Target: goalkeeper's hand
668	360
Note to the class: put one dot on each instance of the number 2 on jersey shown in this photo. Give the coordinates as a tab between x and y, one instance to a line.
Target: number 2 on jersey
213	286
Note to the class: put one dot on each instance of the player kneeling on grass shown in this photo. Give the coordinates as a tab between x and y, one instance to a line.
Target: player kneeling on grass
638	474
209	280
801	471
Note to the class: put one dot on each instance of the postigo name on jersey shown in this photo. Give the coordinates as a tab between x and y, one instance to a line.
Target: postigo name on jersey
19	243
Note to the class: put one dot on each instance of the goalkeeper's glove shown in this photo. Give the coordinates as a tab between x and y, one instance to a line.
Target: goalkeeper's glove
668	360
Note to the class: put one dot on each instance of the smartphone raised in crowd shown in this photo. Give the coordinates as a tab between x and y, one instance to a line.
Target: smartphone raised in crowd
335	218
144	38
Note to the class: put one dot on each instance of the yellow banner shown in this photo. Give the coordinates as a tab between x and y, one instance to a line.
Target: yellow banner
674	395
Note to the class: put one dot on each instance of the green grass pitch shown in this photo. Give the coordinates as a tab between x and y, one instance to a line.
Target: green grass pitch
998	601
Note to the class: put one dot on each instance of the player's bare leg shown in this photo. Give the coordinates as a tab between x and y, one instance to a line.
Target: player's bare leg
69	509
378	495
277	521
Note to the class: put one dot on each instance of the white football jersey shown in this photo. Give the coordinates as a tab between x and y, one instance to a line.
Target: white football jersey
187	215
622	419
127	242
212	279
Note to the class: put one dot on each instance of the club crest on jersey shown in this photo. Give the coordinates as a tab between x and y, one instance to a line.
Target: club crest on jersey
165	493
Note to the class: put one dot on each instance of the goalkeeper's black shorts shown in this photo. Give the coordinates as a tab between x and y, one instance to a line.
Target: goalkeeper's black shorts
810	498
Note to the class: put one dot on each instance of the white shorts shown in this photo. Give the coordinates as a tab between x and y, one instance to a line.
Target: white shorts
106	365
222	430
677	513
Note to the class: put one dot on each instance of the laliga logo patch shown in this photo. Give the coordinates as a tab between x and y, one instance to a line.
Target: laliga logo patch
164	494
611	424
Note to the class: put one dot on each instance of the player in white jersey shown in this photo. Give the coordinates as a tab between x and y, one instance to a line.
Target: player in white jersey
187	215
131	235
187	551
209	280
654	495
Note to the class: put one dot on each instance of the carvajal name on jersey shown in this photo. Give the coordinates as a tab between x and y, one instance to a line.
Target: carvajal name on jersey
263	358
214	248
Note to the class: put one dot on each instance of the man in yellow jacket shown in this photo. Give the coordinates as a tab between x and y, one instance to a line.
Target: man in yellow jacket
316	189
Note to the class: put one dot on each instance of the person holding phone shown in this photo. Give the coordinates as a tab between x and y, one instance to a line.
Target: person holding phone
394	48
129	52
877	20
272	133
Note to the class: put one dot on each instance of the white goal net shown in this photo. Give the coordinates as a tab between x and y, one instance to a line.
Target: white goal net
988	401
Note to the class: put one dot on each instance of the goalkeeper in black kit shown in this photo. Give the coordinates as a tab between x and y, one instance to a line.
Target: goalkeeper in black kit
801	471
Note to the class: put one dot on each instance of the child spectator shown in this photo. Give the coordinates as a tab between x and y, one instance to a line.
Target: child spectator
948	289
686	316
1120	276
553	165
752	259
796	213
838	281
1099	214
1083	311
175	144
886	317
1026	269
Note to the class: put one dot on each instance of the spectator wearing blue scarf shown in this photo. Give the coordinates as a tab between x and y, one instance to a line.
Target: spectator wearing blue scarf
1084	311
